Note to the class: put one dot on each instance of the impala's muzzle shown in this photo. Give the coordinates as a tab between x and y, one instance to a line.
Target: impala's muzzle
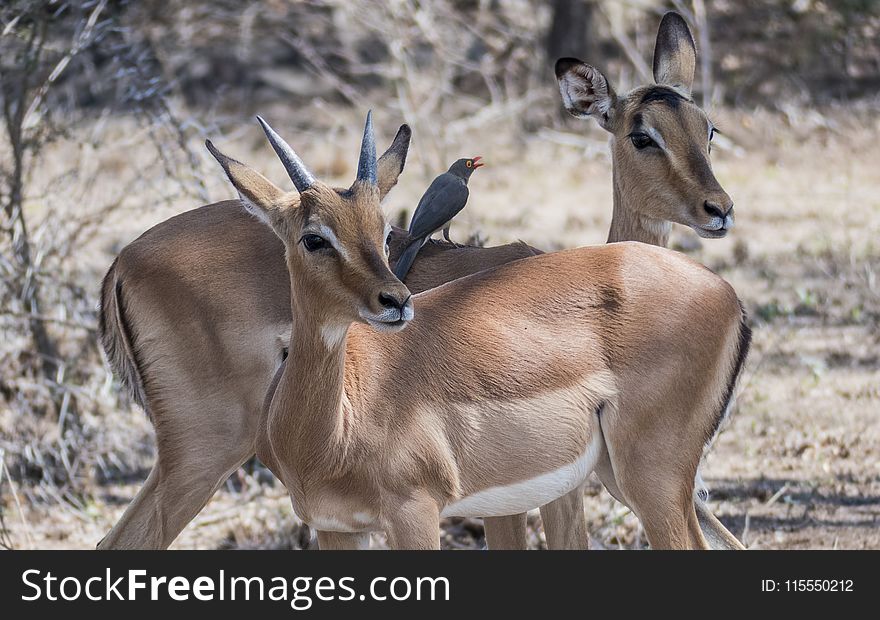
720	220
394	310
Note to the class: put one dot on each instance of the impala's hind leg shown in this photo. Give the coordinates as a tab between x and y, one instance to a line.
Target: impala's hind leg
652	470
663	502
193	461
712	529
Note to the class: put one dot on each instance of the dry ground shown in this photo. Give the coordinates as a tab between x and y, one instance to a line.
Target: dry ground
798	465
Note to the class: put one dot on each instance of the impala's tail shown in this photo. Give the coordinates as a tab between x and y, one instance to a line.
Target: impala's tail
718	536
116	336
741	351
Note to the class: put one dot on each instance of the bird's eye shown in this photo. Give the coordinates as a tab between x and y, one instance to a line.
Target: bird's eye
469	163
641	140
313	243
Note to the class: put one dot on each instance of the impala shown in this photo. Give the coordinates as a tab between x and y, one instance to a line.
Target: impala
504	388
195	313
660	145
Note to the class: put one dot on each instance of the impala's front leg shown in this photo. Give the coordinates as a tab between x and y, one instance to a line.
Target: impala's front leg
414	523
343	540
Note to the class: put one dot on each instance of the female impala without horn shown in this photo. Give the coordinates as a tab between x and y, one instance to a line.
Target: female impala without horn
500	394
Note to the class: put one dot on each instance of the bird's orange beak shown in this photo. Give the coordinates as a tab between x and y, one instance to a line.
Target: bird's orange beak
477	163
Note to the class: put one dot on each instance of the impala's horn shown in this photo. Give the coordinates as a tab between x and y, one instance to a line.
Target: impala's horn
296	169
367	162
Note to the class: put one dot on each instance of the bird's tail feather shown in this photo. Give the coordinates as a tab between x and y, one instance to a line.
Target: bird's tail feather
406	258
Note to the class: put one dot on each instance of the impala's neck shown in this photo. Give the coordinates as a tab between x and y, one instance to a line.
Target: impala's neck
312	412
628	225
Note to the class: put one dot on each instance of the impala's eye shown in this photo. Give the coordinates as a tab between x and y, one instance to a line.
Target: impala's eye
641	140
387	243
711	134
313	243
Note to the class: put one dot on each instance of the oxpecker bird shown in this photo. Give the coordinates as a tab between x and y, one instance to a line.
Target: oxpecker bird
447	195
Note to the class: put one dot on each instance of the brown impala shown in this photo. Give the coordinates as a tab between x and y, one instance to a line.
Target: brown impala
195	313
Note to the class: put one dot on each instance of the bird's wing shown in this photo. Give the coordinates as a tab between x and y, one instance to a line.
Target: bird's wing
446	196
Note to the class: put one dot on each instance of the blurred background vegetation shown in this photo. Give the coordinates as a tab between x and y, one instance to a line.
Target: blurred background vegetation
106	103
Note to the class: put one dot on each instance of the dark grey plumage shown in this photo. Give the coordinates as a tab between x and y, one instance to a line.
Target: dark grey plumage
445	198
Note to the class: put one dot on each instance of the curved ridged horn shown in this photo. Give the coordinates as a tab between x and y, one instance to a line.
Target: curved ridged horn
296	169
367	162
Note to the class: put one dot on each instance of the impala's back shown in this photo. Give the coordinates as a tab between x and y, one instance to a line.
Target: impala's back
652	326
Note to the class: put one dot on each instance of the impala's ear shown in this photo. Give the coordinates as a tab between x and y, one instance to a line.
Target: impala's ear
391	163
586	91
675	54
259	195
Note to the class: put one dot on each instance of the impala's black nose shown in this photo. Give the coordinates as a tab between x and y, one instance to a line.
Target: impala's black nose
716	210
392	302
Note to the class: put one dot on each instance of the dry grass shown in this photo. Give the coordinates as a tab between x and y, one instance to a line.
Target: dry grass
796	467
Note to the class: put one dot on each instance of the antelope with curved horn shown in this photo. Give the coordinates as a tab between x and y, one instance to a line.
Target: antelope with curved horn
195	315
504	387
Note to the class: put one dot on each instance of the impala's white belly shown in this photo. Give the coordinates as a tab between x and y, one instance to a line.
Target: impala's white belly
528	494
